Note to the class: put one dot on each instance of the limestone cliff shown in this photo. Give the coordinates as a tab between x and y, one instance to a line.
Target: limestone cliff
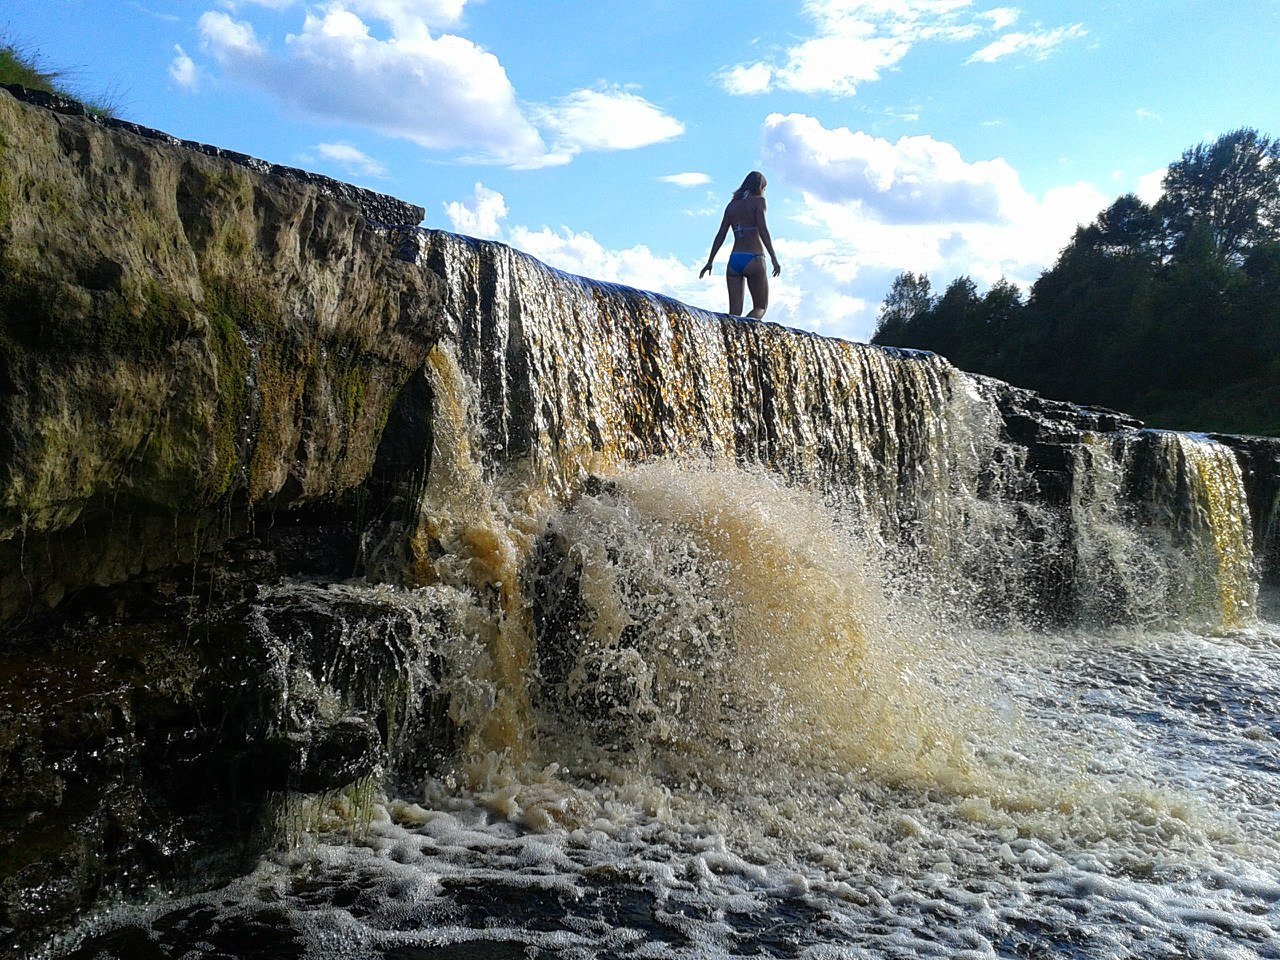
183	340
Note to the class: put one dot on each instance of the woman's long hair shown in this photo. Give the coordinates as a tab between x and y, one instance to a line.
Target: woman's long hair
754	183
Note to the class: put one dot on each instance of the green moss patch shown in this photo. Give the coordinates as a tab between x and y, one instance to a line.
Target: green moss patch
63	322
233	359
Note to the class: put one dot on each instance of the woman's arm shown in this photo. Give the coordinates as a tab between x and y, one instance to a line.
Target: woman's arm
765	238
715	245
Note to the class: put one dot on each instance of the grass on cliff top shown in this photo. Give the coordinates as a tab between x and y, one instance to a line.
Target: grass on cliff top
22	66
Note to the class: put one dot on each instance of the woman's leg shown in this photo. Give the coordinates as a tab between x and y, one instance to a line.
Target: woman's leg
758	282
735	284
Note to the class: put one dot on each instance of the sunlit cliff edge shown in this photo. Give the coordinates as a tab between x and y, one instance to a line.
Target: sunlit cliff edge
216	373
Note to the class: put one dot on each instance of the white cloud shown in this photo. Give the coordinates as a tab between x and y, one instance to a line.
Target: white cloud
636	266
406	17
1151	185
183	69
352	159
747	79
1001	17
482	216
917	179
686	179
444	93
855	42
917	204
377	64
1038	44
228	38
606	119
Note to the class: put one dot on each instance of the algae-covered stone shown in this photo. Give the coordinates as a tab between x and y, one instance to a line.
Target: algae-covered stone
182	339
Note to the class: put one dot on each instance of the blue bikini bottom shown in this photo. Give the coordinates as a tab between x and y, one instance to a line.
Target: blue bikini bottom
738	263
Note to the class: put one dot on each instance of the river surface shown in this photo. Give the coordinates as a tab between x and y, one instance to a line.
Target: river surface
760	740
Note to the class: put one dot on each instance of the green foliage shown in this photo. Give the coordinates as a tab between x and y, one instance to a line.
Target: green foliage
1233	186
910	297
20	66
233	358
1171	312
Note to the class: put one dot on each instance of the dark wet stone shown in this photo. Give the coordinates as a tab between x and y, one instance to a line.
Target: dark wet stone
472	950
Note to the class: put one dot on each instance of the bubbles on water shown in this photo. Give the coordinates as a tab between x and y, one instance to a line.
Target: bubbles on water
745	734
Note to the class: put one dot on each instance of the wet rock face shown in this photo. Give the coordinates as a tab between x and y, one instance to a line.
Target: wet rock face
199	357
123	757
1050	431
154	732
183	339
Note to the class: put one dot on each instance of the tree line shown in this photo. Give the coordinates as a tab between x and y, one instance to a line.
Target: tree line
1170	311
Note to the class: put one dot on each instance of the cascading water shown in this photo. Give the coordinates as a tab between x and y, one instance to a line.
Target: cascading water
1164	532
715	632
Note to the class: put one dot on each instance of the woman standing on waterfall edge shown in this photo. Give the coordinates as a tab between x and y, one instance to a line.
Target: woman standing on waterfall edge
745	215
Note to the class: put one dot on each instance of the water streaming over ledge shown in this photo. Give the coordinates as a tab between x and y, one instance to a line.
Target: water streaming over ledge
573	376
705	637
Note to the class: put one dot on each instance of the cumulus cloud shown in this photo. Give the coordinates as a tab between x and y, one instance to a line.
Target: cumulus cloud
228	38
915	180
482	216
637	266
382	65
747	79
686	179
881	207
605	119
183	69
1151	185
443	93
352	159
409	16
1038	44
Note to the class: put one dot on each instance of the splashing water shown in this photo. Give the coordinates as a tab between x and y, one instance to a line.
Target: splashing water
727	624
741	739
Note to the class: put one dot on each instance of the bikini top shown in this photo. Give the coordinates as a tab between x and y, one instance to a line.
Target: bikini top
745	228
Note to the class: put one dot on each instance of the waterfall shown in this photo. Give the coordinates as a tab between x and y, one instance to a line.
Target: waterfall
597	510
554	615
1163	531
575	378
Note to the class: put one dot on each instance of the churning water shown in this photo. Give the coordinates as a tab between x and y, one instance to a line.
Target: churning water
697	710
745	738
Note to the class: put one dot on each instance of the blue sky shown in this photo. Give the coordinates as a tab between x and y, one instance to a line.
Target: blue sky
944	136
